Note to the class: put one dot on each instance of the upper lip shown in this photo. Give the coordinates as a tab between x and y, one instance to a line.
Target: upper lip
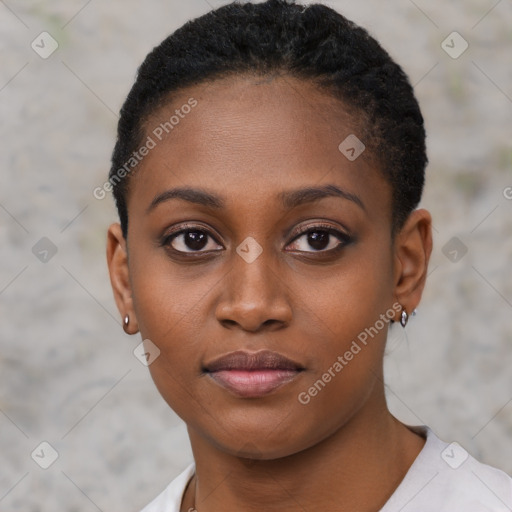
251	361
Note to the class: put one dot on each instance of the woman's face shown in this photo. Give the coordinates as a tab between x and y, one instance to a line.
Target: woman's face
249	231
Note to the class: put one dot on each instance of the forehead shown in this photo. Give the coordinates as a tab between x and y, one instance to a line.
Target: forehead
241	112
254	134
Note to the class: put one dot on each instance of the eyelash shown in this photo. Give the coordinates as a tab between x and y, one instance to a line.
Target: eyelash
343	238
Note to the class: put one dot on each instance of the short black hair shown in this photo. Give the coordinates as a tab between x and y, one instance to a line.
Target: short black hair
313	43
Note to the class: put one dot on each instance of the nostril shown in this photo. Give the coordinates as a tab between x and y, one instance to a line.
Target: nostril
271	324
228	323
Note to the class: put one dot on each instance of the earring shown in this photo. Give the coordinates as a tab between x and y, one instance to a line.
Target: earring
404	318
126	321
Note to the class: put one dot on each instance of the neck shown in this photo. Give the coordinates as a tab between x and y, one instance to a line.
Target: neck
358	467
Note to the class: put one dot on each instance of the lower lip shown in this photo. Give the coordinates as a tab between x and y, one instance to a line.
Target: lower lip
255	383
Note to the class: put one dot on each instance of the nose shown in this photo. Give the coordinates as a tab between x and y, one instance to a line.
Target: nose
254	297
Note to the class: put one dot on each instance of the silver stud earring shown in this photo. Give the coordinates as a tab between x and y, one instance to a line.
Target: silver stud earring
404	318
126	321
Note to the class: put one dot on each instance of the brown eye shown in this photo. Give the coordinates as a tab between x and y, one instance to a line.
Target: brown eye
192	240
319	239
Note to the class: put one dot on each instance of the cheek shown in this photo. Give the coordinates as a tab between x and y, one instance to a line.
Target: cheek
351	300
170	309
347	318
350	334
166	298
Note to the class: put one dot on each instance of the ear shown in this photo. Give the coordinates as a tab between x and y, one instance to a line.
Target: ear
117	259
413	246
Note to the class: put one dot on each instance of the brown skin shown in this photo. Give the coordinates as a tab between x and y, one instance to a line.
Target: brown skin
246	141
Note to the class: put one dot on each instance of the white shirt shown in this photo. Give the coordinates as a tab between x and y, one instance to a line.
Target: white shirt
443	478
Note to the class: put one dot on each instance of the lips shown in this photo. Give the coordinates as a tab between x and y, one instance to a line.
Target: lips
252	375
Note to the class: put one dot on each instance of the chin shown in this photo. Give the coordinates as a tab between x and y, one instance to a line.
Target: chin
257	440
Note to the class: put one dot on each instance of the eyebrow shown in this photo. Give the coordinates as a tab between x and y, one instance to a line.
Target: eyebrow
192	195
293	198
290	199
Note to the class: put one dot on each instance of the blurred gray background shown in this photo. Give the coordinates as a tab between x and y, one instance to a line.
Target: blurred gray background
68	373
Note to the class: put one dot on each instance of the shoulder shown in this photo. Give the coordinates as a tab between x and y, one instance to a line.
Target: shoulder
170	499
446	478
472	486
